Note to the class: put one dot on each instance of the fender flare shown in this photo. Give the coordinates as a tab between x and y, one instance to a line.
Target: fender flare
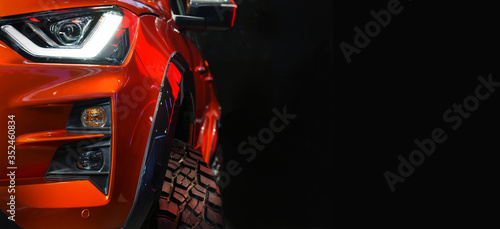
161	136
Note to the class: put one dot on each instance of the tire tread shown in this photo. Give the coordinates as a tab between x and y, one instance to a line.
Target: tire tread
190	197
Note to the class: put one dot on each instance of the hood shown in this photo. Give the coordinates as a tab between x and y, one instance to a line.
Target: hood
9	7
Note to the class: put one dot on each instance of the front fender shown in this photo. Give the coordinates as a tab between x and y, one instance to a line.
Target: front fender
161	136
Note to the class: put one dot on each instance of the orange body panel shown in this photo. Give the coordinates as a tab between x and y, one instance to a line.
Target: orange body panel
42	95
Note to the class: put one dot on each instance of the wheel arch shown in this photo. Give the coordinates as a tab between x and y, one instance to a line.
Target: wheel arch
176	89
186	100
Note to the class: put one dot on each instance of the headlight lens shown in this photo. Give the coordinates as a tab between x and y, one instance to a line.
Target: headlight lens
71	31
98	35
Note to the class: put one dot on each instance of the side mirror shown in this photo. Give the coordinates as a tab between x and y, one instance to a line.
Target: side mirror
204	15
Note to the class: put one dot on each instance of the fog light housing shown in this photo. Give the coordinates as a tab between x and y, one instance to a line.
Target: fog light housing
94	117
90	160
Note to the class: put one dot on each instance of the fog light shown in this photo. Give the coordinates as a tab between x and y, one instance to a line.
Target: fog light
94	117
90	160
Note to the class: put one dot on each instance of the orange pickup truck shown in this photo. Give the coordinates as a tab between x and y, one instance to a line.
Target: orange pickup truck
109	113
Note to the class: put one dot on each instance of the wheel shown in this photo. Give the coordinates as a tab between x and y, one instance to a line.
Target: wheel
190	197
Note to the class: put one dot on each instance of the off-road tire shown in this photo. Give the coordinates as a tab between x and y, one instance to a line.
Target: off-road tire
216	163
190	197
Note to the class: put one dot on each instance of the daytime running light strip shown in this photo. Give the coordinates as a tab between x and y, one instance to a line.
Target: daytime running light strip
99	39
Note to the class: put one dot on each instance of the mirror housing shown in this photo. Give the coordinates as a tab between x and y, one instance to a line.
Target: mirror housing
204	15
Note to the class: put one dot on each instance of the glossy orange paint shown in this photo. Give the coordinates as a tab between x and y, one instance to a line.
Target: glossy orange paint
139	7
60	135
41	97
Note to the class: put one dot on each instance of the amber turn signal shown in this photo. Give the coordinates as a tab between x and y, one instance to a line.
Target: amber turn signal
94	117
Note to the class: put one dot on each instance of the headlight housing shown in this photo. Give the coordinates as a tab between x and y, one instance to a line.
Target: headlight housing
95	35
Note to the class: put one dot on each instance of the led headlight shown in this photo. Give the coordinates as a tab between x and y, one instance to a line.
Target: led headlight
98	35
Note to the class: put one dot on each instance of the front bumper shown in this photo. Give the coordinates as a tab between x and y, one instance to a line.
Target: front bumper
41	97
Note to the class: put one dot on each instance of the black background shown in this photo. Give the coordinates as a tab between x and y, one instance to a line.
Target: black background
279	54
355	119
396	90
